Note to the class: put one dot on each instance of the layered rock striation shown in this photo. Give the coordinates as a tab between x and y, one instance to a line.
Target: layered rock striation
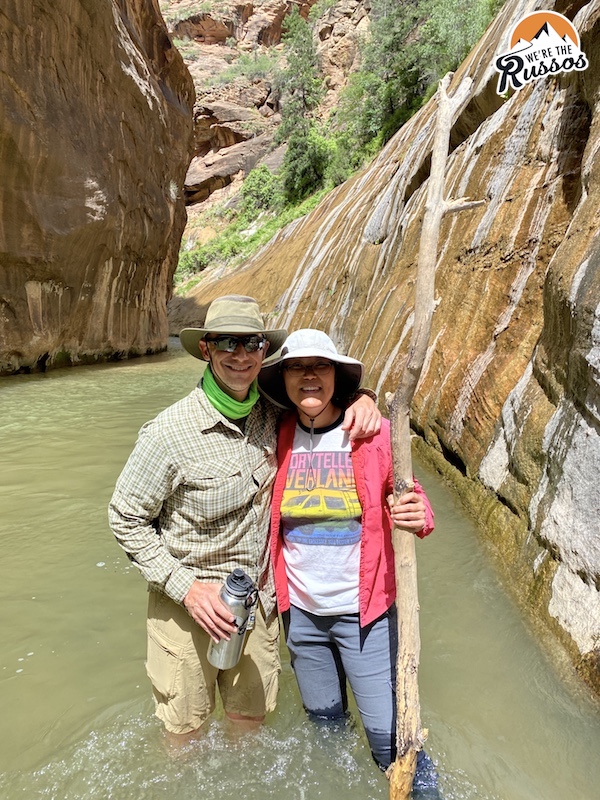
95	136
508	402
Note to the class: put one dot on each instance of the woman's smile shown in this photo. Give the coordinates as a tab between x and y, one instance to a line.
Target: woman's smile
311	394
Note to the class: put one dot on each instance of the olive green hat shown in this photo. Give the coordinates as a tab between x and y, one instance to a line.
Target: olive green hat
233	314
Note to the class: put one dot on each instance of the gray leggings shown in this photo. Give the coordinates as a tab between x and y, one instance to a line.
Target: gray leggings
325	651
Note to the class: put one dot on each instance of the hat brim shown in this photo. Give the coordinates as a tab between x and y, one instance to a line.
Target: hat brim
349	375
190	338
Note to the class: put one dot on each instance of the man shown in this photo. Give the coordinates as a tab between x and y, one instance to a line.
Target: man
192	504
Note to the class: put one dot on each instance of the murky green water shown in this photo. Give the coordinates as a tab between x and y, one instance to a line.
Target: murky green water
76	717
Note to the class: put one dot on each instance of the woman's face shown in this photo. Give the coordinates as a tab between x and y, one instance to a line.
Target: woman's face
309	383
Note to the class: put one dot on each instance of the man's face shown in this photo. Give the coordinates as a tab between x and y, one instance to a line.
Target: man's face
233	372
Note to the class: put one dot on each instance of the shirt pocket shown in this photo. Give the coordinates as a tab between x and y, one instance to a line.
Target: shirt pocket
264	470
214	491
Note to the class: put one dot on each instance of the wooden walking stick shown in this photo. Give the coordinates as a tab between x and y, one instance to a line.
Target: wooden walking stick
410	736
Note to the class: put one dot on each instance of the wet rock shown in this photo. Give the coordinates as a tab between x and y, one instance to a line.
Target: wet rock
94	133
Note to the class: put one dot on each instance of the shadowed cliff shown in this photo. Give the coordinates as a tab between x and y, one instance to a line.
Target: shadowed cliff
509	397
95	126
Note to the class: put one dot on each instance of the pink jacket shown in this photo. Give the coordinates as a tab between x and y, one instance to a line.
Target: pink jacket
372	464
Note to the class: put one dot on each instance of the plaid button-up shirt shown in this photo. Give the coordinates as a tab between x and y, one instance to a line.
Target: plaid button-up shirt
193	500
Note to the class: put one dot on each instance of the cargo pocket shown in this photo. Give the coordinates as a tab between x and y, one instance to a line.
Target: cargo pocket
164	664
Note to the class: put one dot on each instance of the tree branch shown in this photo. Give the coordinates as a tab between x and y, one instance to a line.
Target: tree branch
462	204
410	736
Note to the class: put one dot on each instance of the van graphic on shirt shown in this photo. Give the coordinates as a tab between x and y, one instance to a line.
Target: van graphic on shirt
321	503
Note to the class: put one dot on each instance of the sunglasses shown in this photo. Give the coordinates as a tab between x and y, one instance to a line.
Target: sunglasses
297	368
229	344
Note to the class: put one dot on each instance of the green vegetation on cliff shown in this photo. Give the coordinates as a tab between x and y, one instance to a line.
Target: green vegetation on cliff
240	232
410	46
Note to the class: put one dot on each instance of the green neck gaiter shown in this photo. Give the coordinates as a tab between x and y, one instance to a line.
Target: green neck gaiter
228	406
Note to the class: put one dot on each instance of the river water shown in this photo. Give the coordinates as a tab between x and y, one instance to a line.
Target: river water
76	716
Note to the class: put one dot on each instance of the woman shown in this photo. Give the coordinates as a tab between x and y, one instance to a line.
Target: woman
331	539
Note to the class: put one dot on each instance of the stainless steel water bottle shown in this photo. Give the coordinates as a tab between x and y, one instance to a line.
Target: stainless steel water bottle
239	594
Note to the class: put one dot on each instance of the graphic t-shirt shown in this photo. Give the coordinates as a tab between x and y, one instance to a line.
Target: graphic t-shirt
321	519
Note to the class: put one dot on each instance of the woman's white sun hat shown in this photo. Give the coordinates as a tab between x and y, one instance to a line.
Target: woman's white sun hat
309	343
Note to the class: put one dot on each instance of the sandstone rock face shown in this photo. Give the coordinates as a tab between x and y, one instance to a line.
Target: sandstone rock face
203	28
510	391
339	31
214	172
234	114
95	125
251	24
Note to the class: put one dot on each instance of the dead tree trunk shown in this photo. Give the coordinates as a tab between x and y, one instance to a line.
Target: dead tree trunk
410	736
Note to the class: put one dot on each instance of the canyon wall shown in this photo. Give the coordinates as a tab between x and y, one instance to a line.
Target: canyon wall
95	136
509	400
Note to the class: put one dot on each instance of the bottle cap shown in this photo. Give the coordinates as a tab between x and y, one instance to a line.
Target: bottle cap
238	583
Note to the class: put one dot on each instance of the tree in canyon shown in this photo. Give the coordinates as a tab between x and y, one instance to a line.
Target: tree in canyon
308	152
410	736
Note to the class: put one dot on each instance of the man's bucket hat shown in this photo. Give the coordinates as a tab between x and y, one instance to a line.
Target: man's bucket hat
233	314
310	343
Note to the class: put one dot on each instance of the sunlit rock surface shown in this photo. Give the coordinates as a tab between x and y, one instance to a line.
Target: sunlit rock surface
510	392
236	116
95	124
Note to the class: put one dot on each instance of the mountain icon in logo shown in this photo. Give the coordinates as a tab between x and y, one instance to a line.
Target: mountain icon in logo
543	29
542	43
